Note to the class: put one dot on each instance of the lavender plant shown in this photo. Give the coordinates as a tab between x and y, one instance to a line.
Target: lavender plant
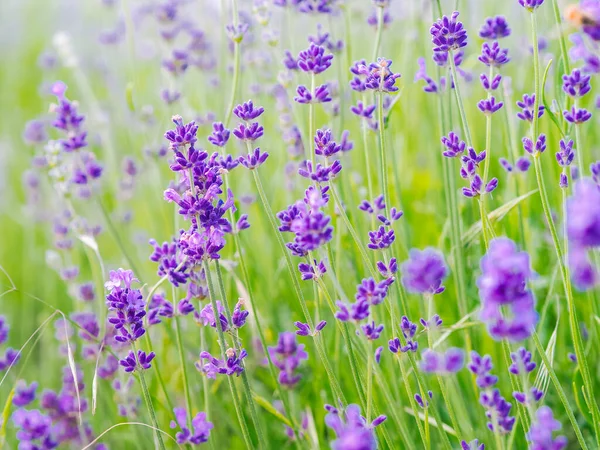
289	261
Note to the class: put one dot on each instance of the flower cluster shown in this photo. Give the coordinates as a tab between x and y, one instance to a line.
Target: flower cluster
314	61
350	428
200	431
287	356
424	271
11	356
540	433
471	160
497	408
576	85
508	306
231	365
522	365
448	362
448	34
494	57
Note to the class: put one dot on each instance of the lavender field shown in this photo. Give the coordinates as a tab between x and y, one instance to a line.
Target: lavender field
303	224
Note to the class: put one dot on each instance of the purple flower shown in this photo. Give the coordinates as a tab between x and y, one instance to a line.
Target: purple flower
379	77
473	445
289	61
540	433
503	287
423	403
494	28
249	132
35	430
68	120
324	144
449	362
492	55
4	329
497	411
424	271
351	429
35	132
371	331
357	311
142	362
534	396
236	32
321	95
305	330
381	238
527	105
490	85
388	270
219	135
540	145
363	111
312	271
287	356
371	292
448	34
577	115
576	84
482	366
127	304
200	426
207	316
253	160
565	156
169	262
489	106
233	365
24	395
320	173
521	362
454	146
247	111
314	59
182	135
531	5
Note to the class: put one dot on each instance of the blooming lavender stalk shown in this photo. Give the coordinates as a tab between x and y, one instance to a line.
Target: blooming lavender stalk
576	85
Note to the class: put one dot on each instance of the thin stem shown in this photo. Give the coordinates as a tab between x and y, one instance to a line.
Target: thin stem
311	122
186	385
365	138
559	391
236	67
561	39
223	348
382	154
488	133
379	33
238	348
149	405
578	146
459	102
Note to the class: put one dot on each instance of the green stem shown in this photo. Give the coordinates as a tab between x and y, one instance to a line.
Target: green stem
236	67
573	320
559	390
182	360
223	347
367	156
383	157
488	134
311	122
459	102
578	145
379	32
149	405
561	40
238	348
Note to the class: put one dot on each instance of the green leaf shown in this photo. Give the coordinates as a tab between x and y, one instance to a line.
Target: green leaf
129	96
547	104
494	216
270	408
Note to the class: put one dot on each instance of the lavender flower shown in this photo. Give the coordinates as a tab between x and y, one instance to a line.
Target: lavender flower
494	28
233	365
409	329
24	395
492	55
254	160
521	362
489	106
170	262
287	356
127	304
320	95
527	105
445	363
473	445
35	430
312	271
314	60
247	111
305	330
351	429
424	271
576	84
448	34
200	425
132	362
379	77
219	135
503	286
540	145
577	115
540	433
531	5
